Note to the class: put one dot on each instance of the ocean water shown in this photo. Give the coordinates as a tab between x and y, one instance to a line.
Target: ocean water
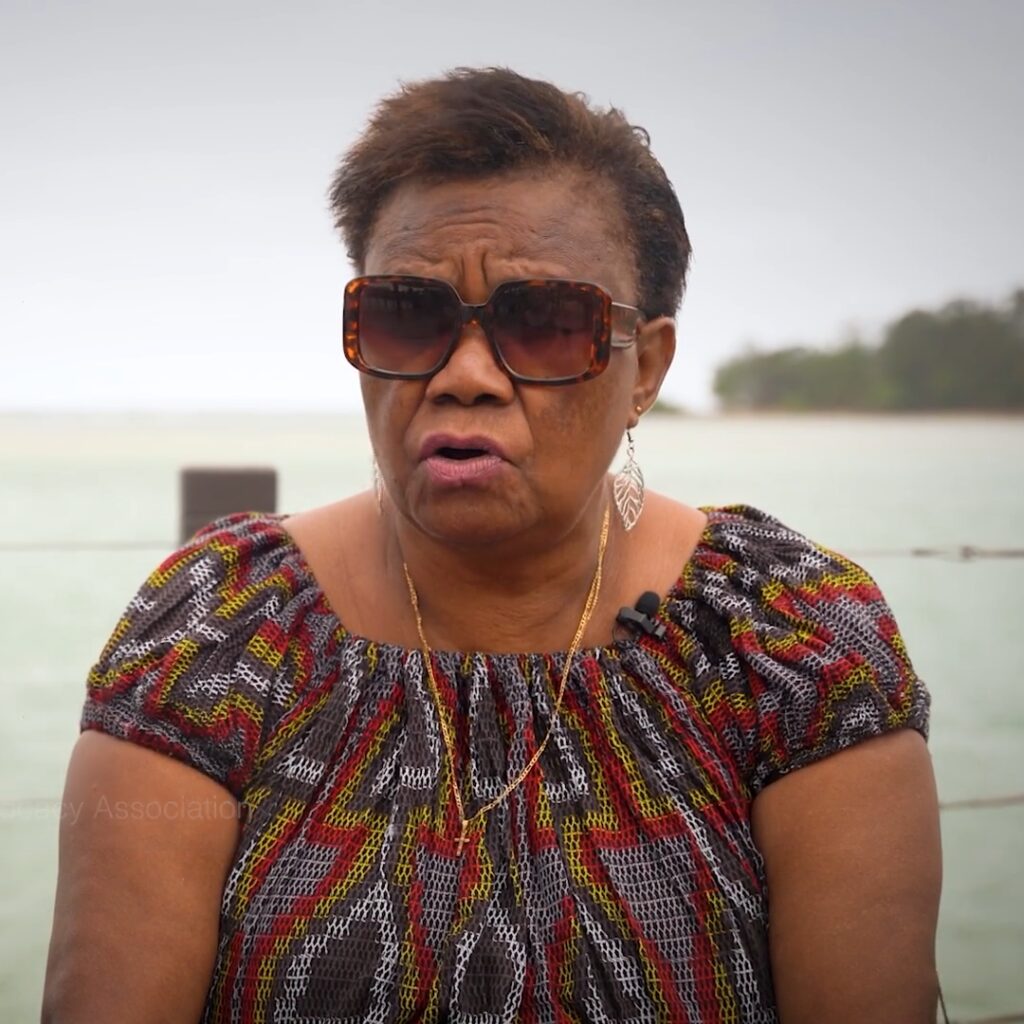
876	488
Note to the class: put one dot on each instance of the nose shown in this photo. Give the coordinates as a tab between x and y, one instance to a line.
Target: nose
472	374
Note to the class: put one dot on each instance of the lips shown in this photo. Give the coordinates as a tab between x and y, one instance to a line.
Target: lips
459	449
454	461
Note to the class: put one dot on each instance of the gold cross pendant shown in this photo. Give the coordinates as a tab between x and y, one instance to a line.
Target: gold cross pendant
462	839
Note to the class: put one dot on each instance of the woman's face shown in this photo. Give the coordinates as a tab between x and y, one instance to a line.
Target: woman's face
550	446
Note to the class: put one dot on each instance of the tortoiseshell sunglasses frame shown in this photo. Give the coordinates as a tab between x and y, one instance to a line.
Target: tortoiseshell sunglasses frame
618	326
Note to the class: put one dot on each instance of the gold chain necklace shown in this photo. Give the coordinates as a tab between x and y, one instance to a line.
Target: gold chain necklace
588	610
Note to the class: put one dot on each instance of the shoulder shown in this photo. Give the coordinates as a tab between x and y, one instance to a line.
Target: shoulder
338	532
196	666
768	561
663	539
231	547
798	653
339	545
232	570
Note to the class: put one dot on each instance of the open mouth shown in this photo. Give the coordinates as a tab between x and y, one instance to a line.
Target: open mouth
461	454
462	461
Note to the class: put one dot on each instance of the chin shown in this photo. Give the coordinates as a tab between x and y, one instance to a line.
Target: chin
469	520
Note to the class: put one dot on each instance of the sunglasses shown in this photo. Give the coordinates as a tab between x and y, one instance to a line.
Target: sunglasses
541	331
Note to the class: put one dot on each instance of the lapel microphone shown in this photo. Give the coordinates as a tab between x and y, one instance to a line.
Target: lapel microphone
640	615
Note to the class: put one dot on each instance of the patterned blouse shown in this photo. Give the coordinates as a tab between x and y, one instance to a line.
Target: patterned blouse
618	882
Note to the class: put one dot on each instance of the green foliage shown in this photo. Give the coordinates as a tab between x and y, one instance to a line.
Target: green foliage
964	356
663	405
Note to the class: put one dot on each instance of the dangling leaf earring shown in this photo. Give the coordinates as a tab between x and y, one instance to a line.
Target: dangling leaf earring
629	485
378	485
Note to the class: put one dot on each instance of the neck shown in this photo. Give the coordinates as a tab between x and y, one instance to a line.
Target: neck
510	597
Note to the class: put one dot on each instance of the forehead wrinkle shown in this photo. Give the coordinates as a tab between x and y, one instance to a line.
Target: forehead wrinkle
409	246
580	240
403	221
501	259
512	263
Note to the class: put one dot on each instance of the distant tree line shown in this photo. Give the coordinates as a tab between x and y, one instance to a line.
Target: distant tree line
965	355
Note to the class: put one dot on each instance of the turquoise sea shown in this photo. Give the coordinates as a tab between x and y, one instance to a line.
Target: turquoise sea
89	505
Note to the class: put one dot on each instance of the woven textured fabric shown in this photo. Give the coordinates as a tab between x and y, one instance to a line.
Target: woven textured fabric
619	882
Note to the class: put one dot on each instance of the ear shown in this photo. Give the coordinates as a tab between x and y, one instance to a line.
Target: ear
655	347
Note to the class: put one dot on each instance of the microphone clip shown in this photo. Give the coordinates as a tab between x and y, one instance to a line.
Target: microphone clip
636	619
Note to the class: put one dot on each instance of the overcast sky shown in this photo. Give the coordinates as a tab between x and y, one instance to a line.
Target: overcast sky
164	240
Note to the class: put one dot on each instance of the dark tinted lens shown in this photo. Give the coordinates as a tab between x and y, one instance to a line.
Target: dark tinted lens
406	327
547	329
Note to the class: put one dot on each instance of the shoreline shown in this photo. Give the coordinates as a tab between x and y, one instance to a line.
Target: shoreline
156	416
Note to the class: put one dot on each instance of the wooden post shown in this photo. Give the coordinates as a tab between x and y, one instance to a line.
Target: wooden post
207	493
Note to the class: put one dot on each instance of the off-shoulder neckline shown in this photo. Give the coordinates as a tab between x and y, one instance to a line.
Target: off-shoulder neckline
680	590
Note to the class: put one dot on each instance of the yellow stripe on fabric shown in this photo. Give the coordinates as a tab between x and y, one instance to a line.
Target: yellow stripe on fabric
860	675
341	817
408	847
122	627
163	574
569	954
265	983
898	715
185	652
770	754
484	884
852	578
268	967
651	806
372	656
228	552
417	817
715	695
431	1012
230	606
254	796
232	600
741	626
290	812
261	649
654	981
544	817
571	849
673	667
338	813
603	816
724	991
571	832
107	679
377	825
899	646
513	869
282	735
698	799
222	710
606	819
778	644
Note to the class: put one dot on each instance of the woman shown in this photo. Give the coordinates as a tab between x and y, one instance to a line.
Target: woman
430	762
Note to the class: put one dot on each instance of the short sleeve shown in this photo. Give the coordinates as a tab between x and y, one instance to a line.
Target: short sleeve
798	654
193	667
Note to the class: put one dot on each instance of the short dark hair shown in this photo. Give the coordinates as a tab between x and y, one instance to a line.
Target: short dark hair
478	122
